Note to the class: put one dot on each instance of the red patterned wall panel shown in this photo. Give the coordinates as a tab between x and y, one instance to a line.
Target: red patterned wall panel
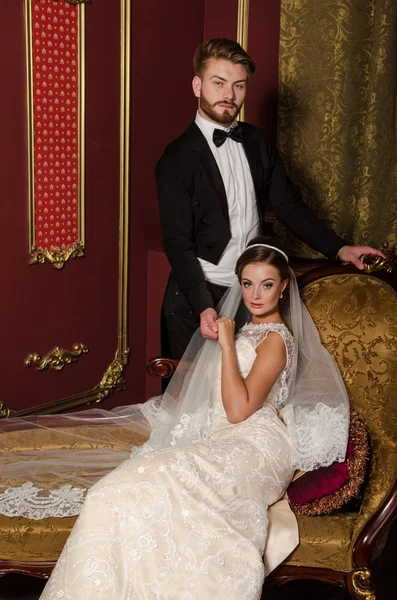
55	50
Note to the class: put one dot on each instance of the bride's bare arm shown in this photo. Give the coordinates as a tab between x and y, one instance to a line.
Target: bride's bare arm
242	397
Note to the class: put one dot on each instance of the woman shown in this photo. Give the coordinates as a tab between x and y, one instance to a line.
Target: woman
186	516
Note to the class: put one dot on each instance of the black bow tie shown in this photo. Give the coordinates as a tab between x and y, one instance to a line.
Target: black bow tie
219	136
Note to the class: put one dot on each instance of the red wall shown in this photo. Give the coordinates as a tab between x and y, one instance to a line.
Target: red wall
263	40
220	19
165	34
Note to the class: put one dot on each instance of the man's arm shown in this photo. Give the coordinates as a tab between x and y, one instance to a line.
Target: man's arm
177	223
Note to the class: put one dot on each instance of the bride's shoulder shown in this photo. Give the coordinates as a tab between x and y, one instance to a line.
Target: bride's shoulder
255	329
255	333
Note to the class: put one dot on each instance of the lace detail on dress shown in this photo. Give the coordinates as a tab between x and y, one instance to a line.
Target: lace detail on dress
35	503
190	427
318	434
256	333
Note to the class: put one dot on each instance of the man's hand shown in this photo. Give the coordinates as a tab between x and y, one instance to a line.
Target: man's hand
208	325
351	254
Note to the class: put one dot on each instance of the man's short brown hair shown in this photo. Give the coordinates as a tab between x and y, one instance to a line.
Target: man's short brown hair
218	48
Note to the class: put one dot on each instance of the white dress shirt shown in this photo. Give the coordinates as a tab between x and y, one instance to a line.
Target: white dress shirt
241	200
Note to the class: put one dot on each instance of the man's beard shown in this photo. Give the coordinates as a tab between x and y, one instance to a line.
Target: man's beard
226	118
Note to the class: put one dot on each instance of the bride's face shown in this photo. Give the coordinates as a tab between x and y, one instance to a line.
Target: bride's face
261	287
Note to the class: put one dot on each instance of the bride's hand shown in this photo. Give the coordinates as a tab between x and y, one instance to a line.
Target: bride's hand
226	328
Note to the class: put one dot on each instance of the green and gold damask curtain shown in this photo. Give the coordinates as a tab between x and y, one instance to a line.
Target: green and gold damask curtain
337	114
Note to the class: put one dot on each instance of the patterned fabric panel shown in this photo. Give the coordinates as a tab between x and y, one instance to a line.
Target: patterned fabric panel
33	541
357	319
60	437
325	542
336	115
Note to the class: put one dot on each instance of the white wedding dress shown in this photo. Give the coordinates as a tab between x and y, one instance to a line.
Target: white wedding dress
186	523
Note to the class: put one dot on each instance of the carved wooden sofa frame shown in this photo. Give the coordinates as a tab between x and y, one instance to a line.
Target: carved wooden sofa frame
362	550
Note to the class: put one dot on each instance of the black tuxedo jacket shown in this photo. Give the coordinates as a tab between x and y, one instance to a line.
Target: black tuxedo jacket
194	211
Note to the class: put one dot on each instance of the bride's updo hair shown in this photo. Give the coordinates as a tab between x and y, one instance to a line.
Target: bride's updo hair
263	254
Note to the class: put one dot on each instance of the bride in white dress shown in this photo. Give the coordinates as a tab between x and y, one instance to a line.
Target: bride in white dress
186	517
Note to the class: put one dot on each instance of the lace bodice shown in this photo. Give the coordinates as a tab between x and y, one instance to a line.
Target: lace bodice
247	340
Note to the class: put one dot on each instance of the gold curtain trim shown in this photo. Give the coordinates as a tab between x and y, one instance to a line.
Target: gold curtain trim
57	358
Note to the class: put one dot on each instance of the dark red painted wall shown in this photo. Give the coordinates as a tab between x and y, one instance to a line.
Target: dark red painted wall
165	34
220	19
263	42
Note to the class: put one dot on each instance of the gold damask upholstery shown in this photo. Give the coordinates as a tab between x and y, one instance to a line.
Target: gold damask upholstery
356	315
26	540
324	542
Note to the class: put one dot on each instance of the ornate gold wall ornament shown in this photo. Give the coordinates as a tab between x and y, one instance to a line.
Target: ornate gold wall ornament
362	584
242	33
57	257
378	263
112	380
5	412
57	358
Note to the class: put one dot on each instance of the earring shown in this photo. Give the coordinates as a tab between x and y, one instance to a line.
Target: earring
281	295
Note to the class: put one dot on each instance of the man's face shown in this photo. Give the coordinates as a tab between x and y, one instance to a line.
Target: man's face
221	91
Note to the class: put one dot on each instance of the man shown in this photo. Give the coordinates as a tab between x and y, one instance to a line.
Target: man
212	185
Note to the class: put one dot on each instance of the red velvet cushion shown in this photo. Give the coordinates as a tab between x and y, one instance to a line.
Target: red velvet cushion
325	489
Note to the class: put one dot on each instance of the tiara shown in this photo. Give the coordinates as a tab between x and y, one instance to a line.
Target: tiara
267	246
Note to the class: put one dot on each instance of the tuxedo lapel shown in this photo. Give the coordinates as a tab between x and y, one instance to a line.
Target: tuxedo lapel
208	164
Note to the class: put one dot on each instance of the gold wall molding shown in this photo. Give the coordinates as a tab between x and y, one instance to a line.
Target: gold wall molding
57	358
57	257
46	230
242	33
113	378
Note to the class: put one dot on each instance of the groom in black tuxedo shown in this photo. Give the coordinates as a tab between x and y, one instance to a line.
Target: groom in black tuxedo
212	184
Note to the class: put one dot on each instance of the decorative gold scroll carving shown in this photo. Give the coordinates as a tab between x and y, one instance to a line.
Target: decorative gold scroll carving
378	263
5	412
242	33
113	380
362	584
57	358
57	257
